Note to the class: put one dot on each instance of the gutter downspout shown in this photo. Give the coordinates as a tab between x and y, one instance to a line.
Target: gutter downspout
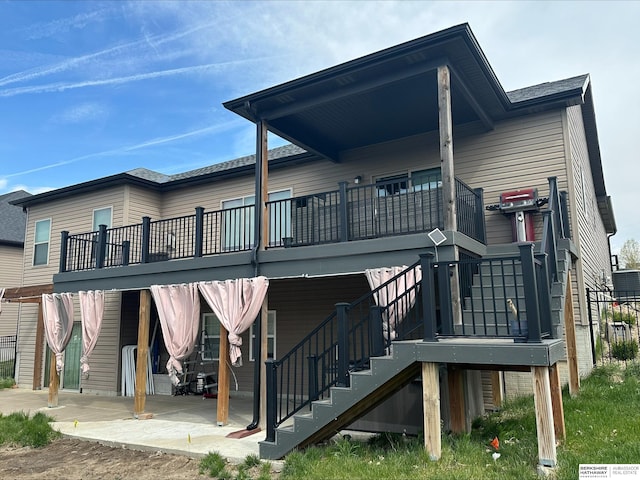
257	345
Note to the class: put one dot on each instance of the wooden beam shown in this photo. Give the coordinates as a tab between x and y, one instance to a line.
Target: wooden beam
261	364
544	417
455	381
431	409
556	403
54	383
15	294
497	395
39	350
264	185
223	379
570	339
446	147
144	315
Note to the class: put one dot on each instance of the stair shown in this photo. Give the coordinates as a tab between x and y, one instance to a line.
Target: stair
345	405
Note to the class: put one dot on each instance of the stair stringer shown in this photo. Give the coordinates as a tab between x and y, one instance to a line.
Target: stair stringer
345	405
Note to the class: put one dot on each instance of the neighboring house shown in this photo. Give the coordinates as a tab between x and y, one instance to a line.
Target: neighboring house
12	227
385	149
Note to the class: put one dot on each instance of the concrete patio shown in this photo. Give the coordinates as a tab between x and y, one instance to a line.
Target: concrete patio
184	425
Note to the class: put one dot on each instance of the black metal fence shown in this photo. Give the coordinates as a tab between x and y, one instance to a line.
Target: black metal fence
614	318
352	213
8	356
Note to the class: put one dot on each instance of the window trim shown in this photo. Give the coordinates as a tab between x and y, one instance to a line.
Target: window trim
36	243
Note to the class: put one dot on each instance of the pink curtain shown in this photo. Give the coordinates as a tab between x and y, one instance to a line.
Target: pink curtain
91	311
57	310
179	311
386	296
1	297
236	303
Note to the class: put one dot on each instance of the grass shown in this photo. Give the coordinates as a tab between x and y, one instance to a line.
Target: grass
6	383
20	429
252	468
602	422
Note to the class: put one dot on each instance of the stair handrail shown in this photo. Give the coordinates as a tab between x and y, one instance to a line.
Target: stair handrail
331	347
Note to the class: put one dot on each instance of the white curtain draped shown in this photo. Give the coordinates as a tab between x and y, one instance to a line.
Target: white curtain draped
385	297
57	310
91	311
236	303
1	297
179	312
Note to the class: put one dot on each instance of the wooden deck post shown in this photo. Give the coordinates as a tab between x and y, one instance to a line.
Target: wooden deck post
263	197
544	417
222	414
39	350
144	316
497	396
54	383
445	122
455	381
570	339
431	408
556	403
264	332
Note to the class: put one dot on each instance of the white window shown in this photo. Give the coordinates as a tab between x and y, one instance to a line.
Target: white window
101	216
238	229
41	242
210	338
271	336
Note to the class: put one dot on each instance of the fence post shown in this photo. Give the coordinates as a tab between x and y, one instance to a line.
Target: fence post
375	331
564	210
530	291
64	240
544	292
272	399
126	252
591	335
344	212
428	298
313	378
146	238
199	232
481	226
343	345
102	246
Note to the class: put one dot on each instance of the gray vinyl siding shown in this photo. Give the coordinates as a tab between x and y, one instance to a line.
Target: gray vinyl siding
140	202
518	153
26	344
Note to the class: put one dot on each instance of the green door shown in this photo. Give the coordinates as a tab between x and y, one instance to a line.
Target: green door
71	371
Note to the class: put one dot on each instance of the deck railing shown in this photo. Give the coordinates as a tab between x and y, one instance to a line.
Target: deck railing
359	212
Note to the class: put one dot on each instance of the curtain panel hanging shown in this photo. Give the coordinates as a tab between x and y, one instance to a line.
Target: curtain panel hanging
91	312
57	311
179	312
393	297
236	303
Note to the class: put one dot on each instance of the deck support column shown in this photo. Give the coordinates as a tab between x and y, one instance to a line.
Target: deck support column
544	417
570	338
222	414
445	122
556	403
144	316
54	383
497	391
455	381
431	408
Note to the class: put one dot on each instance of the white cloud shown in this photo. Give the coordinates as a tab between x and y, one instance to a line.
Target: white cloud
84	112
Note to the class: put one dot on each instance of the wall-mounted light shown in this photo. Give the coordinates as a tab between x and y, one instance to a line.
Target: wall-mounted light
357	180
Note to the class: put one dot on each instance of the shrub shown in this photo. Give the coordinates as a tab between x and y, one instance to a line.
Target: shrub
624	350
213	464
619	315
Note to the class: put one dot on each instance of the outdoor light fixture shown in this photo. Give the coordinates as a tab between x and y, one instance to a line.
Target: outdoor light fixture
357	180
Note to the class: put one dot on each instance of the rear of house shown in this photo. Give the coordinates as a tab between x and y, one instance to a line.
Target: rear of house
363	183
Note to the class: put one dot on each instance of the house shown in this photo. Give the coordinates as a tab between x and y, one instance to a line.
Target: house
494	202
12	226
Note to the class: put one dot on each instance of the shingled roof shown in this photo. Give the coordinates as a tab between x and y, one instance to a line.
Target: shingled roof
12	219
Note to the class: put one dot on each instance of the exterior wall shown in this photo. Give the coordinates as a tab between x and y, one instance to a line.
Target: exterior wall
10	276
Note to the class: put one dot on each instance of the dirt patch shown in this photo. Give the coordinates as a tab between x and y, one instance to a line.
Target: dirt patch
72	459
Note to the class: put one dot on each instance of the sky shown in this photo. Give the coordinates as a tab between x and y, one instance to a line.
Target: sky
90	89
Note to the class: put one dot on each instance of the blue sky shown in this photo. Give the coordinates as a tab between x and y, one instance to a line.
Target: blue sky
89	89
